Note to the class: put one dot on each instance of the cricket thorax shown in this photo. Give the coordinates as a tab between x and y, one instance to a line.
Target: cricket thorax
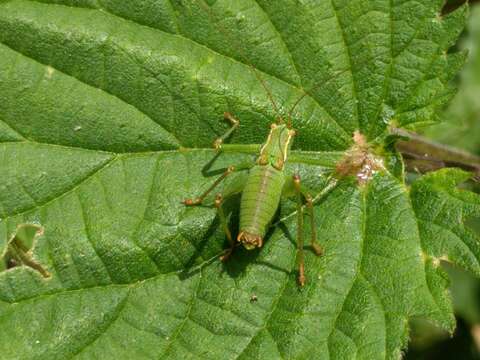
275	150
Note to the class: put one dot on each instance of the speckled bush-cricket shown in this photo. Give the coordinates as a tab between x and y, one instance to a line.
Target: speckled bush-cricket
264	187
266	183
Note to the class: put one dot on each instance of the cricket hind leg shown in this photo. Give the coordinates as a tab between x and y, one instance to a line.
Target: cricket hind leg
223	222
300	251
317	249
302	193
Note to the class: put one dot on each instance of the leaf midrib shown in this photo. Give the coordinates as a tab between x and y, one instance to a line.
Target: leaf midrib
114	158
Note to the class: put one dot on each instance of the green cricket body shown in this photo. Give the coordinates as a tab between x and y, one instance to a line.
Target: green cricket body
263	190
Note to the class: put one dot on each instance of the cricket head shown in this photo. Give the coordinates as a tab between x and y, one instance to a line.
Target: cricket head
250	241
276	148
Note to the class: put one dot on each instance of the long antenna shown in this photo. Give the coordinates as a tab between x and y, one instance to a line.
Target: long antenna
262	81
244	58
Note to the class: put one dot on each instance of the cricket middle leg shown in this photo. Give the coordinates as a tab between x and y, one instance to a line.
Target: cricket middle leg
230	170
219	201
199	200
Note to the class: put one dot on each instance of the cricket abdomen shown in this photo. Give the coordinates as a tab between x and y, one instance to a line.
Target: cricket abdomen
260	200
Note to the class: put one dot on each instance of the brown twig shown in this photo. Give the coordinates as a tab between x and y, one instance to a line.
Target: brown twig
454	5
423	155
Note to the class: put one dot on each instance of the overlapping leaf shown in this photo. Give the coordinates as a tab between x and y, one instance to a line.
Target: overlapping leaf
107	111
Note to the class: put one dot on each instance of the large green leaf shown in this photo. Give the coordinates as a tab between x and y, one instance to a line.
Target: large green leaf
108	109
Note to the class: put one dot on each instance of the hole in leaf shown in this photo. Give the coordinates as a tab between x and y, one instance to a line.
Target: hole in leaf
18	251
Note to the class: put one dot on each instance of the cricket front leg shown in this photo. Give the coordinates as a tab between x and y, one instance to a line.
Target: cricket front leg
217	144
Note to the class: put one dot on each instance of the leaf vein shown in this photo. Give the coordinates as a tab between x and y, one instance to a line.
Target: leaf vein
116	315
87	177
350	60
288	50
89	236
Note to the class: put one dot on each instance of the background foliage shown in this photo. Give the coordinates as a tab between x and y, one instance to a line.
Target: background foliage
461	128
